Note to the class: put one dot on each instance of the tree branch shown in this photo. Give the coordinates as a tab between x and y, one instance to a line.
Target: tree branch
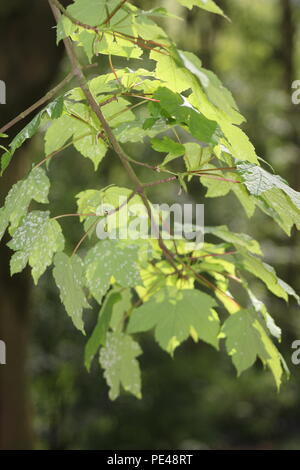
77	70
41	101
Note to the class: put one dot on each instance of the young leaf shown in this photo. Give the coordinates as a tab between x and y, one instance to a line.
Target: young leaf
35	242
174	315
69	277
118	359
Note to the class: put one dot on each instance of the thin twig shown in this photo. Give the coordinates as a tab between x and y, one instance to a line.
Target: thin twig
39	103
155	183
214	177
227	168
112	14
74	215
51	155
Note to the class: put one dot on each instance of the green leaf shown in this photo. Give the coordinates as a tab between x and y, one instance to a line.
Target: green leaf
217	188
69	277
168	145
243	341
92	12
208	5
213	87
259	181
120	309
65	27
175	315
85	138
118	46
34	187
176	78
178	107
237	239
60	131
118	359
262	270
134	131
239	144
246	340
53	111
4	221
87	39
35	241
109	258
196	156
159	12
269	321
98	337
91	147
289	290
278	205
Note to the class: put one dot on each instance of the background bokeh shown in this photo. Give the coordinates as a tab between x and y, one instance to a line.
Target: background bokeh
194	401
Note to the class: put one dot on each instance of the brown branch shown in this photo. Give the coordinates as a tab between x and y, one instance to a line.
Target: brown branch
155	183
39	103
227	168
214	177
112	14
60	7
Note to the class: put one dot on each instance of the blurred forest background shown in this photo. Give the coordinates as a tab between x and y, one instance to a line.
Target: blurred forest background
47	398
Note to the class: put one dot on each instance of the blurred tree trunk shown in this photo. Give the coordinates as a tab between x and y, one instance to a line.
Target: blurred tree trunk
288	49
29	62
288	31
